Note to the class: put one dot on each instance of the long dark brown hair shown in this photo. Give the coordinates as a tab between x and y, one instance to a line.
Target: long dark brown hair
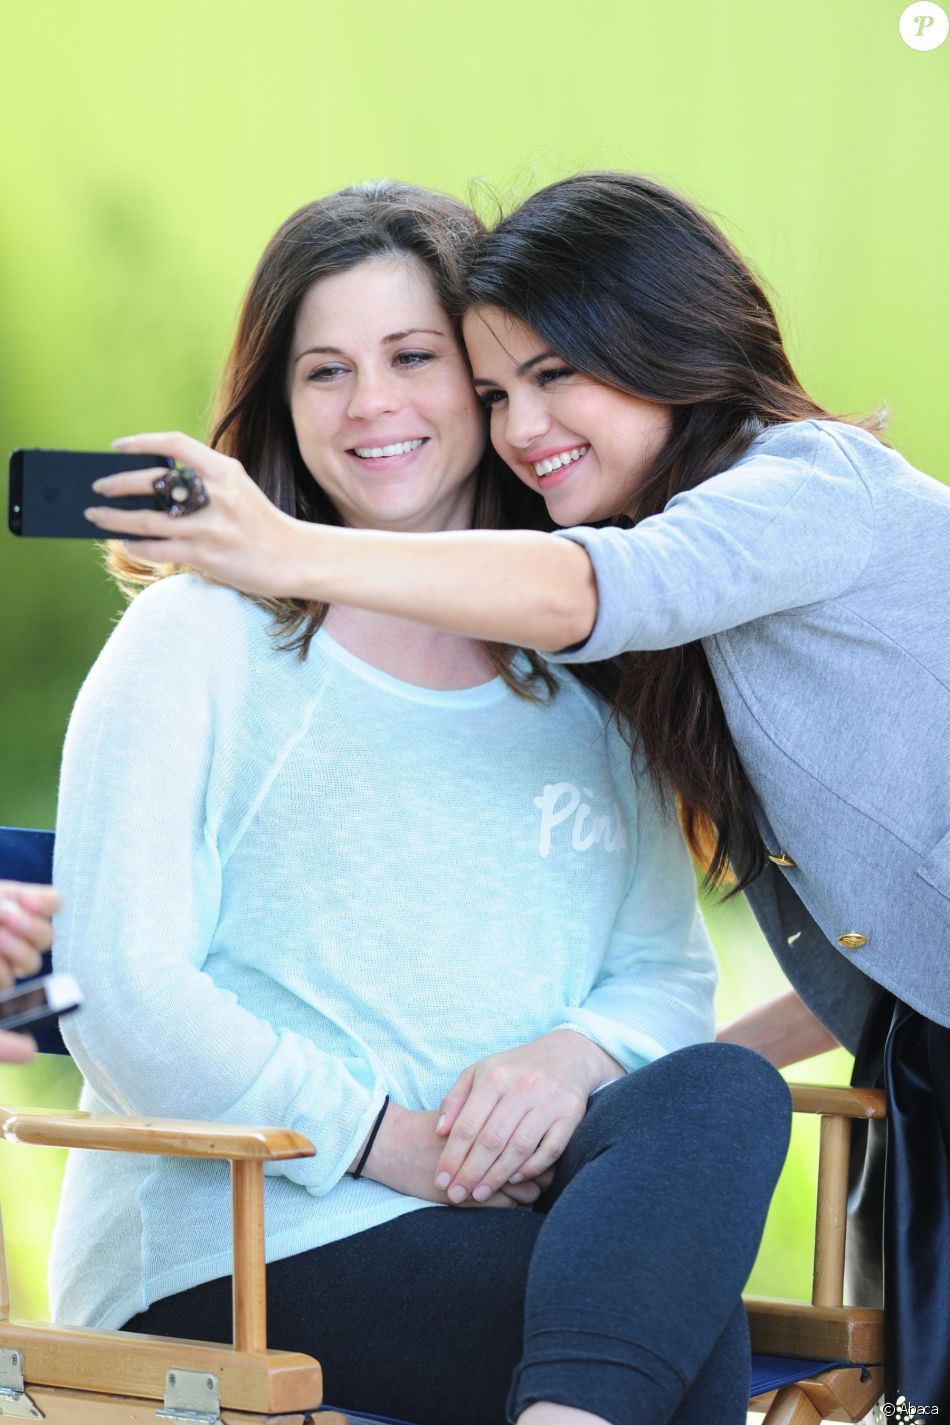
629	283
252	420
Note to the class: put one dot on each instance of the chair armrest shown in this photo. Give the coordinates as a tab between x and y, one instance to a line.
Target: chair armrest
836	1107
247	1149
838	1102
172	1137
826	1328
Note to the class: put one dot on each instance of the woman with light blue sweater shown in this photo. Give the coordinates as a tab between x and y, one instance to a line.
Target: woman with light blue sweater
399	890
776	582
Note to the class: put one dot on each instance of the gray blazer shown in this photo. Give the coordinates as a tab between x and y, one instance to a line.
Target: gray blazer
816	572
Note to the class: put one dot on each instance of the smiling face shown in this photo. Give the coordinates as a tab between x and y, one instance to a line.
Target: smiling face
381	399
582	444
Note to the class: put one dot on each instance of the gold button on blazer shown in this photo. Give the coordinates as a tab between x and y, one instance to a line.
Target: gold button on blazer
853	940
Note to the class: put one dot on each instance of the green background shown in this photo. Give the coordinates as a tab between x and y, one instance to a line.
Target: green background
150	151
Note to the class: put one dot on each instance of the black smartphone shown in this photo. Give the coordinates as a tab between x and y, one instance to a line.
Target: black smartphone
49	489
38	1002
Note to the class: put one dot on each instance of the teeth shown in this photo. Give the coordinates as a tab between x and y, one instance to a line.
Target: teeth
556	462
366	452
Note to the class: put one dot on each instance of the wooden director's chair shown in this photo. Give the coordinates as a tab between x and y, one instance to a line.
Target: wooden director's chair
839	1349
813	1361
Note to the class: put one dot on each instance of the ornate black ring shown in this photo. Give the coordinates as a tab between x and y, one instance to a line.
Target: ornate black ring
180	492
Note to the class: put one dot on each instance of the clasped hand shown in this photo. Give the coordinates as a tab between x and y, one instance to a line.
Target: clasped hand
509	1117
500	1128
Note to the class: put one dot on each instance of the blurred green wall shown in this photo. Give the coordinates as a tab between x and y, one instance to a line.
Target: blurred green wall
150	151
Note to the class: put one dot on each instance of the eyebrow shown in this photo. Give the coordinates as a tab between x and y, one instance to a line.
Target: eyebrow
522	370
393	336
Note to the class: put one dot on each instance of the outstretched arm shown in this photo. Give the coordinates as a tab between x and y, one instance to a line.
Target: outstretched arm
516	586
760	537
505	586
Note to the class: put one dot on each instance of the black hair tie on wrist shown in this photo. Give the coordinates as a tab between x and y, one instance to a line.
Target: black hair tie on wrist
371	1139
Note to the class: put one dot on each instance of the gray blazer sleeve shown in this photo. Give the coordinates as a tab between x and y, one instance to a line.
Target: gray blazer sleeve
789	524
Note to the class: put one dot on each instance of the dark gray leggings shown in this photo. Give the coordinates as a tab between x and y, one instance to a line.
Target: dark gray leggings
618	1293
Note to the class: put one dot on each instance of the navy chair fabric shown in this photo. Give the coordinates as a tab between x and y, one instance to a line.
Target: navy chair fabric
27	855
772	1372
361	1419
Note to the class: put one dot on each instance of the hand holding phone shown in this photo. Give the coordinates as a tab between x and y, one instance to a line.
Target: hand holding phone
26	912
49	489
37	1002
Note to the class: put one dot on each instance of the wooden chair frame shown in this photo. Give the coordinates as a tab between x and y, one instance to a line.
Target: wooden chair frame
83	1377
825	1329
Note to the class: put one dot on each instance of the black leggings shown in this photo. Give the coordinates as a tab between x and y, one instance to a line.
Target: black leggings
618	1293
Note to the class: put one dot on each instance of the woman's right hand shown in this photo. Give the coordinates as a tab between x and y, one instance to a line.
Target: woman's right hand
240	538
404	1157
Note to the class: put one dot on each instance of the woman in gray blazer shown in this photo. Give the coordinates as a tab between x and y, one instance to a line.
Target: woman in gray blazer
777	582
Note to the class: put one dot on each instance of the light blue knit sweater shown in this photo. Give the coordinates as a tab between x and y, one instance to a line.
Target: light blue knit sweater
293	887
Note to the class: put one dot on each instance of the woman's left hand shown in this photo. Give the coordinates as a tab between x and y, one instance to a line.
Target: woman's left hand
239	537
509	1117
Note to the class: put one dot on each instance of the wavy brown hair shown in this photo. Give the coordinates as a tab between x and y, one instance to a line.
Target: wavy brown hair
252	420
629	283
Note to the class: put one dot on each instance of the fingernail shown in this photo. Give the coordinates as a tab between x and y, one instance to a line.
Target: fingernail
443	1180
439	1125
482	1192
93	511
516	1178
457	1193
123	440
103	486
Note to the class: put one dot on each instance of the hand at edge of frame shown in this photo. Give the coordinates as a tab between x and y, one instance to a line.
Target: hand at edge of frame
26	930
16	1048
